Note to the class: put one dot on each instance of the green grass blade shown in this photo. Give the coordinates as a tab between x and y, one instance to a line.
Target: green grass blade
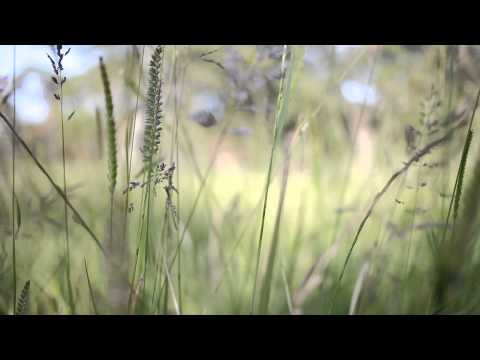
280	119
52	182
90	289
23	300
267	285
455	201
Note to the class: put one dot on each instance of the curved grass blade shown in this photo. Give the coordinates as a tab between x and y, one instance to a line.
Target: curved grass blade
52	182
23	300
90	289
455	201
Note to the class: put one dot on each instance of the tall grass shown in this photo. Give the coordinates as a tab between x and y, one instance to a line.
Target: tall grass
457	189
282	106
111	142
14	250
59	79
55	186
90	288
278	126
151	146
221	253
23	300
175	158
418	155
452	254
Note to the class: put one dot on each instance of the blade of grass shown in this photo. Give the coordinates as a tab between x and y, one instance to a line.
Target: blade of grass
358	288
454	202
283	112
52	182
90	289
424	151
14	253
277	125
213	159
111	141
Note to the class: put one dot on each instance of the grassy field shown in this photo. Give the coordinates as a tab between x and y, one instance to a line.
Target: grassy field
321	207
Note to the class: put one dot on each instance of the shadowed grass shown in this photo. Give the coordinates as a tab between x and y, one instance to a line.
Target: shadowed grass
111	142
77	215
23	300
90	289
457	189
424	151
284	95
278	127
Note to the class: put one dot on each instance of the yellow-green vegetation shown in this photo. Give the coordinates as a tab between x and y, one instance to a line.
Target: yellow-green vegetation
246	180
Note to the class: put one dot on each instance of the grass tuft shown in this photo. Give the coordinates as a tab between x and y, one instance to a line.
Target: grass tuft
23	300
111	132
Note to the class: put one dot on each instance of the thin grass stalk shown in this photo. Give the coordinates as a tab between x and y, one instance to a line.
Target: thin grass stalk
288	295
354	303
424	151
299	236
310	279
177	175
130	171
126	206
456	192
152	137
410	242
319	261
131	283
266	288
153	127
111	141
237	241
137	253
129	147
148	195
449	89
14	252
90	288
451	256
410	236
348	169
174	156
168	279
57	188
269	173
257	208
67	232
219	142
165	299
169	289
383	234
157	270
60	79
210	195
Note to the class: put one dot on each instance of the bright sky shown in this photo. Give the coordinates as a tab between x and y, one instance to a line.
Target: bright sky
32	105
31	101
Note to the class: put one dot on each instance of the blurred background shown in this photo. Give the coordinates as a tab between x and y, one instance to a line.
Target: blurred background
356	114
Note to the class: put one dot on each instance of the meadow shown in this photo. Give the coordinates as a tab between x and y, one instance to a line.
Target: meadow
292	179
